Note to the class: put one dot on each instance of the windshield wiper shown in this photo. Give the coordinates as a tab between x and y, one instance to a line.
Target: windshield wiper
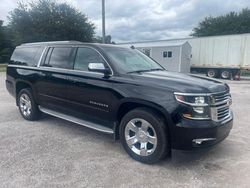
157	69
148	70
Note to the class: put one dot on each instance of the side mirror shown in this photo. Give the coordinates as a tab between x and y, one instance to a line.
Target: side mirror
98	67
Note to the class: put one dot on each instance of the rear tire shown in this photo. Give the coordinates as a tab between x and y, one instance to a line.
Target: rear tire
212	73
27	105
144	135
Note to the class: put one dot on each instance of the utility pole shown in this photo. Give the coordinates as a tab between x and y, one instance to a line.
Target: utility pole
103	21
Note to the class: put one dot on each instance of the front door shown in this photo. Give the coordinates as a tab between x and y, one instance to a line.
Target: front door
90	93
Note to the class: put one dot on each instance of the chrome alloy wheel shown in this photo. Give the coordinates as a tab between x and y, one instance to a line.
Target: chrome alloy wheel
25	104
141	137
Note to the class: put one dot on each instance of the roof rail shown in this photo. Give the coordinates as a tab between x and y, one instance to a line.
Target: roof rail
51	42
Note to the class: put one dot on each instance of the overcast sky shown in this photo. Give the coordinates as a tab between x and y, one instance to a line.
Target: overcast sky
140	20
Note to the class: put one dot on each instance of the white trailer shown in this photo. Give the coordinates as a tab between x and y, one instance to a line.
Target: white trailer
220	56
217	56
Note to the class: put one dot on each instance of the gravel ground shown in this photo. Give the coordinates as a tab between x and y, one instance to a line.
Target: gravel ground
55	153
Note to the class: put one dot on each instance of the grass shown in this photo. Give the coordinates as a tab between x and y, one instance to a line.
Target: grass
3	67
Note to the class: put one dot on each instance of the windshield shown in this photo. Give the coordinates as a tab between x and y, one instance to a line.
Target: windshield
131	60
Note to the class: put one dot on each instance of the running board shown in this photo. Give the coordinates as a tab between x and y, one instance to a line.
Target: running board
76	120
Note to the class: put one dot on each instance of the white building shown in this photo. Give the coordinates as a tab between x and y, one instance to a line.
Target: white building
174	56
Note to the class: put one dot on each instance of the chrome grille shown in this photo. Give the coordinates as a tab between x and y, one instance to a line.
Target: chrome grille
220	103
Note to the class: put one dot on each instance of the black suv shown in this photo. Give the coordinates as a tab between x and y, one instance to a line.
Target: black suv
120	91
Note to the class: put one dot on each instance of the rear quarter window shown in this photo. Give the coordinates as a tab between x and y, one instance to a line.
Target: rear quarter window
28	56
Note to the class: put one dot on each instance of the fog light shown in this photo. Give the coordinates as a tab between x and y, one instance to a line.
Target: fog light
187	115
201	140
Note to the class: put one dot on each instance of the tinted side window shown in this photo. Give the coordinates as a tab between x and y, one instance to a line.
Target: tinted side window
38	54
84	56
26	56
61	58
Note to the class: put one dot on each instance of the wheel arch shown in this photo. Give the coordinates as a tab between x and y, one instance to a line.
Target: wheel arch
130	104
21	84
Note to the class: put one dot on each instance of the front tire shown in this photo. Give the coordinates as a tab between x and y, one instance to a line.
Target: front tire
27	105
144	135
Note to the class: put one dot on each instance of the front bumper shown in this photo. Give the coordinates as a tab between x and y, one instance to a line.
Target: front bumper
191	134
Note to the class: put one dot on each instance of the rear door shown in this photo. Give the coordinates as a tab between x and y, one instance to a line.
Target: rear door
53	82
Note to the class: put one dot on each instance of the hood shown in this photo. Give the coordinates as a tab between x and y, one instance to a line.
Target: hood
179	82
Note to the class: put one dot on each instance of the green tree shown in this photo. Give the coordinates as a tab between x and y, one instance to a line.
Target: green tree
231	23
47	20
5	43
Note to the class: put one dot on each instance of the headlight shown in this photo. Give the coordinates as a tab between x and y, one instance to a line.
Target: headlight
199	100
196	106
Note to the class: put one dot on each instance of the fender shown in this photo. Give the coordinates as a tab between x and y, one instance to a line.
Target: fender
146	103
142	102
